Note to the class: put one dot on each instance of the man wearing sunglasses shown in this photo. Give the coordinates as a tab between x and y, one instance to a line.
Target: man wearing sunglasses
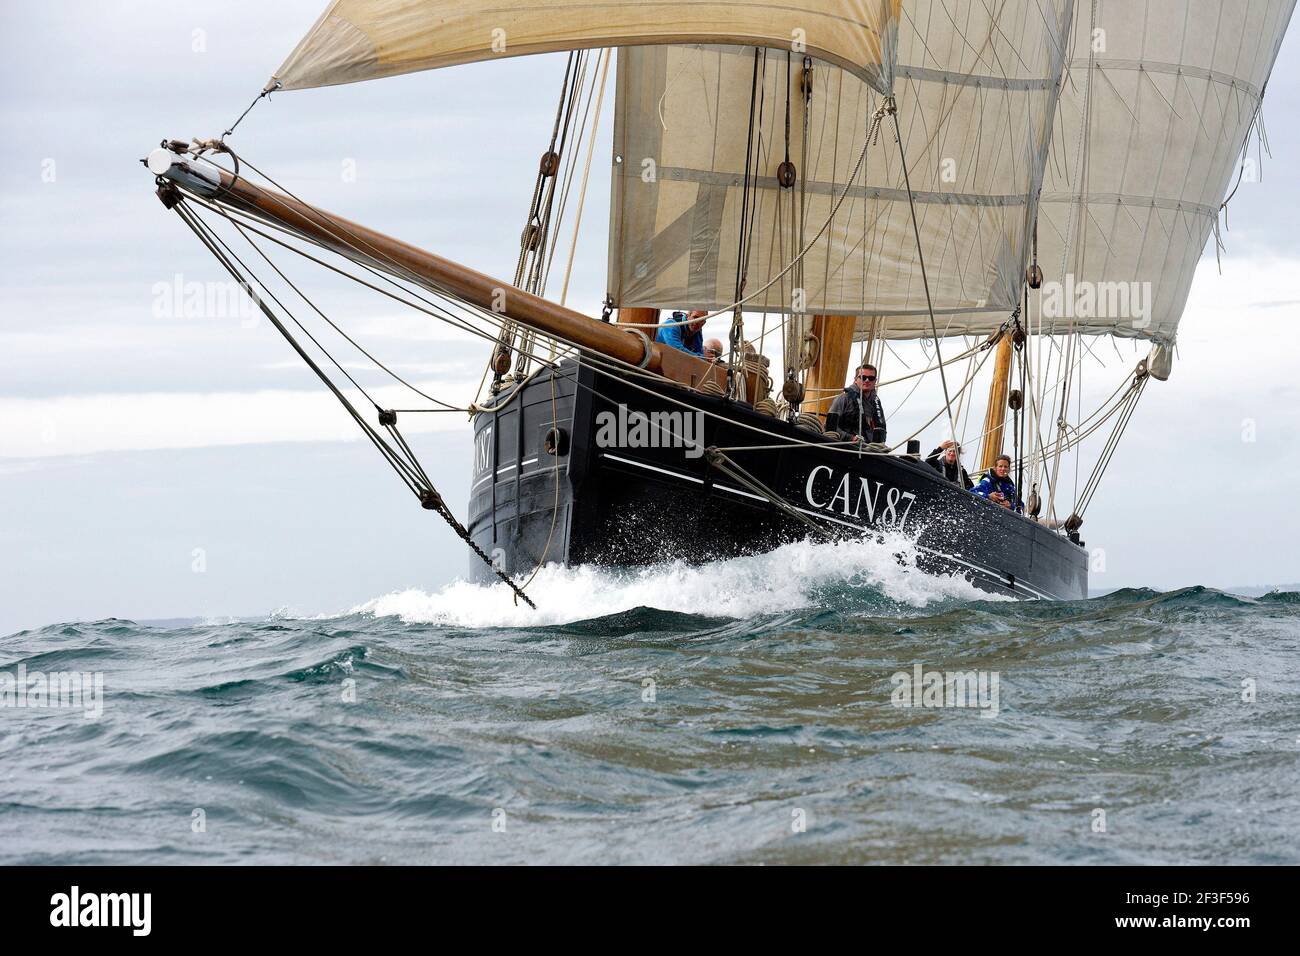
856	411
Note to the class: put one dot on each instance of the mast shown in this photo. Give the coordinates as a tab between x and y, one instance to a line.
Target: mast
637	316
405	261
995	416
834	334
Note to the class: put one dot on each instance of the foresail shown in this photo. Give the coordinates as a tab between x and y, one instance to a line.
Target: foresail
366	39
1158	100
975	87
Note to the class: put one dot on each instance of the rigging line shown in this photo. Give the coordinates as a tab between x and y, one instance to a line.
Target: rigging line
1074	437
287	312
975	350
407	466
551	221
448	407
1078	413
338	230
586	171
736	354
791	264
920	258
1112	446
390	424
428	495
205	235
432	309
715	457
555	480
492	318
605	365
746	196
1081	504
935	418
257	99
538	236
540	182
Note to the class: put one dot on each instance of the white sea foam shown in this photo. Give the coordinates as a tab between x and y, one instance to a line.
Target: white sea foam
800	575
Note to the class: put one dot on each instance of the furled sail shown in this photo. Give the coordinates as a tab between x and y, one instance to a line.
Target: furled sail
975	87
1157	102
366	39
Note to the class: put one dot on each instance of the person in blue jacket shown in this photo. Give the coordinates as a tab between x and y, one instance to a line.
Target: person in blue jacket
684	331
998	487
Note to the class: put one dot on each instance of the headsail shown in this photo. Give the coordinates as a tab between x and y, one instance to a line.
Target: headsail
1158	99
975	86
366	39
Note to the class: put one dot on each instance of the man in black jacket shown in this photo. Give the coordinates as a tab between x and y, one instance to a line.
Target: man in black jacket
946	459
856	411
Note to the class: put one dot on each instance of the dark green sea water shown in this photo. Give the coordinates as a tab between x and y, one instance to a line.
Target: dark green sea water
481	732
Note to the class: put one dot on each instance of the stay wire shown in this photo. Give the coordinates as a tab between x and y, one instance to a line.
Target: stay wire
351	341
412	475
215	246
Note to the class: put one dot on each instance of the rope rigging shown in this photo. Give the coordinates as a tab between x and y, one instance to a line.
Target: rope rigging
395	450
398	450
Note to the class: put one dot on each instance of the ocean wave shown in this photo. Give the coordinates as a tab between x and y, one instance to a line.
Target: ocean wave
875	575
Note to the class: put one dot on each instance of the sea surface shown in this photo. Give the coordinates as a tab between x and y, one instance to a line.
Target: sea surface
751	711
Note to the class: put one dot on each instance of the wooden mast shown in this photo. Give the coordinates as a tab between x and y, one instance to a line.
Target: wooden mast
827	375
405	261
638	316
996	415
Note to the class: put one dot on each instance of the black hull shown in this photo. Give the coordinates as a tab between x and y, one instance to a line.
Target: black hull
629	506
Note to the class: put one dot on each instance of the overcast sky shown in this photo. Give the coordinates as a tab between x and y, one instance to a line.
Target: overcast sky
158	465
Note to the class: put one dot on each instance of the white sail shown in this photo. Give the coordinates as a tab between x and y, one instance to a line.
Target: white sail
1158	99
975	86
366	39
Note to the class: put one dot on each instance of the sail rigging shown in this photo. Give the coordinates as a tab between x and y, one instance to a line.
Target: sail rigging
975	88
870	170
1156	104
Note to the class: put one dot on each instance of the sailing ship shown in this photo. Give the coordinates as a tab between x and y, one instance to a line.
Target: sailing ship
995	186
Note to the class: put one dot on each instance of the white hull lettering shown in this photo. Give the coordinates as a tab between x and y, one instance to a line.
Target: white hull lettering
868	507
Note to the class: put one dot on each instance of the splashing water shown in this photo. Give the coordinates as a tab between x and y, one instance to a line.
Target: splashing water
845	575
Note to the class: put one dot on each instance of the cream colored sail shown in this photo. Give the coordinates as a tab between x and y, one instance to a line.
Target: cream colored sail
1158	99
367	39
975	86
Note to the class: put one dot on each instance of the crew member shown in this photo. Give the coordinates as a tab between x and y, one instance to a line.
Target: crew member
946	459
998	487
857	411
683	331
713	350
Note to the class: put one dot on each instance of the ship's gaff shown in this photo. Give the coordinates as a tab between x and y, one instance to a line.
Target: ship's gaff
357	40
